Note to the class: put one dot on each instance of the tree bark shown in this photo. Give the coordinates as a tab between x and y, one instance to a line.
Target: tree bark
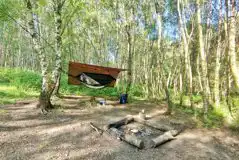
206	90
129	40
218	57
44	99
188	68
232	45
167	136
58	4
119	123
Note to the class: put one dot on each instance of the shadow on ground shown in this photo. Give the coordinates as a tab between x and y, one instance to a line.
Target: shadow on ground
64	133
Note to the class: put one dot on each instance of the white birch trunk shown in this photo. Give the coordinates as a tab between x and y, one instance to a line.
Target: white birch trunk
205	84
58	45
232	46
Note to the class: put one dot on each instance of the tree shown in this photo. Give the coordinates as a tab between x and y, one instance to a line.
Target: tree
46	88
186	39
232	44
206	90
57	7
218	58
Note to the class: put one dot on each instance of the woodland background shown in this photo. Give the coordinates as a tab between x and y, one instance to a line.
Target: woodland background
181	51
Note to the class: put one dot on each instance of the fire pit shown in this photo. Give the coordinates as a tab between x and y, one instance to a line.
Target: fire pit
140	133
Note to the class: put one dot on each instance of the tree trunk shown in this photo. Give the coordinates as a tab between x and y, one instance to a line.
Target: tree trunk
188	68
227	58
206	90
44	99
218	56
58	45
232	46
129	40
168	98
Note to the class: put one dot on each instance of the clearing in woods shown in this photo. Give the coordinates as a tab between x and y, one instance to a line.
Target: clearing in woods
65	133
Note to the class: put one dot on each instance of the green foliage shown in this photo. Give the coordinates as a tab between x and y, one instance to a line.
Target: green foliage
42	2
136	91
186	101
9	9
10	93
20	79
215	119
18	84
197	98
235	123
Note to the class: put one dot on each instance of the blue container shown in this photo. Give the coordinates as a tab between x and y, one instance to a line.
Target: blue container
102	102
123	98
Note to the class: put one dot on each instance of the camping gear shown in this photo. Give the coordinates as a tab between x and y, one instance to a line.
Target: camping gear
102	102
92	76
123	98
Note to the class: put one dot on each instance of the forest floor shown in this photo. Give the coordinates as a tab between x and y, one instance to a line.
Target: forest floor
65	133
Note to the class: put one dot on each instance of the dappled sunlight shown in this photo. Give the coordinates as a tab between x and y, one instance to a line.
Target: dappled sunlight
13	93
119	80
66	133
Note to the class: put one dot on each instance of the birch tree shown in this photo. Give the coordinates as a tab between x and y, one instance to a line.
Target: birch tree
232	43
218	58
186	38
205	84
46	89
57	7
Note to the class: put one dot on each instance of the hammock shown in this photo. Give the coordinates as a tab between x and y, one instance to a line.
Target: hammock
92	76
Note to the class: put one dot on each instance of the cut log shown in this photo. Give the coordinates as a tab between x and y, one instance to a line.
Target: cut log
119	123
97	129
167	136
161	127
115	133
130	139
133	140
142	115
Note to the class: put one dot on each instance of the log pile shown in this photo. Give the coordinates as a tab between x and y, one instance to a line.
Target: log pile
112	129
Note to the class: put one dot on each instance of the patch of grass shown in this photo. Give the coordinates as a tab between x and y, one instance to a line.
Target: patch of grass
9	94
19	84
215	119
20	78
216	116
234	125
3	111
197	98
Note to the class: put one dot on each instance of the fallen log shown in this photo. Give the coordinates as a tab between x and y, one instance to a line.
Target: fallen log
119	123
167	136
161	127
130	139
133	140
115	133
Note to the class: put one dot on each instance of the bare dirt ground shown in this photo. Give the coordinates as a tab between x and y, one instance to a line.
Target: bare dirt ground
65	133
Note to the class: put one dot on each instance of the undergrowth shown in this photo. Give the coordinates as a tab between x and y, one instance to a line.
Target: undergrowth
19	84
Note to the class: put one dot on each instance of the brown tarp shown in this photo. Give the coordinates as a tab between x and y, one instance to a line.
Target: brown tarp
76	69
